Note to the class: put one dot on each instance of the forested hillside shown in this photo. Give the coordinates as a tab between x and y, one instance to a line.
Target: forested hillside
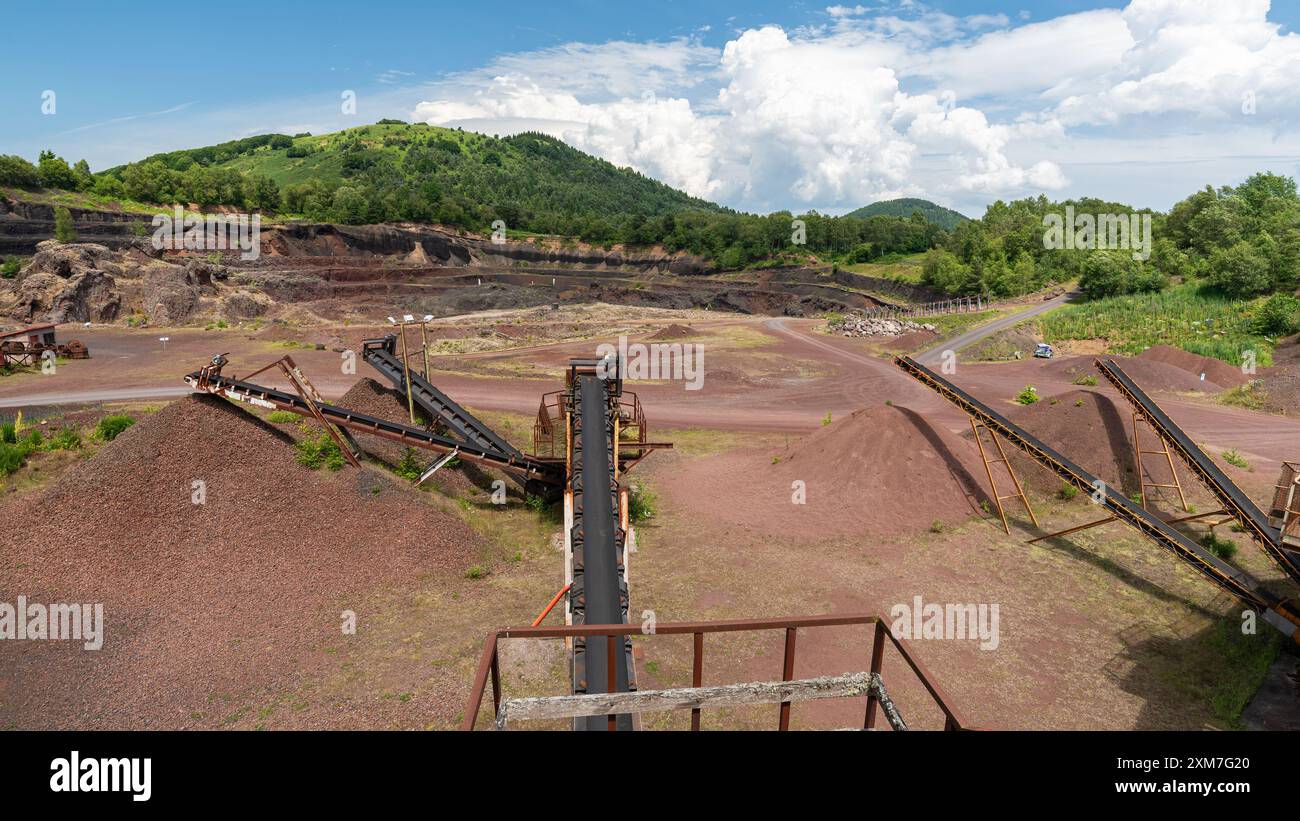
945	218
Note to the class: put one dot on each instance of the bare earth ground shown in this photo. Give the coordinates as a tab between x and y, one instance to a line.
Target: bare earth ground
1098	630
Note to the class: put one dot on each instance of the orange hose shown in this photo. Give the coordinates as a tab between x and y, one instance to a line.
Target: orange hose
554	602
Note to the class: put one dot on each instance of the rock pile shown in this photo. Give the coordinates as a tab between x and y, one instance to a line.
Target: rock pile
858	325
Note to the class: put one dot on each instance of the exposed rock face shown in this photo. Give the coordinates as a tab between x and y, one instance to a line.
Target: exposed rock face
64	283
245	305
170	295
23	225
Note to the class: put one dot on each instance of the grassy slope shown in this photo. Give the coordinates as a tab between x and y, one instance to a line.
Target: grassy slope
1180	317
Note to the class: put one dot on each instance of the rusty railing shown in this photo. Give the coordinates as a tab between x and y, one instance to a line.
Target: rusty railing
489	664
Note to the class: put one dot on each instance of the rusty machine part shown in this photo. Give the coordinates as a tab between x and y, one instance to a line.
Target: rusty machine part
1284	513
210	379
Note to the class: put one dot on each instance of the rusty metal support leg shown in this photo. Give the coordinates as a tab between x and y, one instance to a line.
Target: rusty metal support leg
988	469
787	674
611	681
697	677
1014	480
877	661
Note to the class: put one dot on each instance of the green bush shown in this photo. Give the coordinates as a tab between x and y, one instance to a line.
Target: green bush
409	467
110	426
642	504
320	451
282	416
1223	548
8	433
10	267
1087	379
63	228
12	457
1278	316
67	438
1234	458
1028	396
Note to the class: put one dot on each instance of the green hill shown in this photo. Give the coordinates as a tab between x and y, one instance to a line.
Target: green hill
945	218
419	172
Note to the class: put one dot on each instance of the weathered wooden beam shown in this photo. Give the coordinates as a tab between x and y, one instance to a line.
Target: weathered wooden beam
694	698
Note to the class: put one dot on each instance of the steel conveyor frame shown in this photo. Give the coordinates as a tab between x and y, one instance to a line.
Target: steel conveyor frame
1278	612
258	395
1234	501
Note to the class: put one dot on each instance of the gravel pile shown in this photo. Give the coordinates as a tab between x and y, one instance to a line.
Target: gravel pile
202	600
858	326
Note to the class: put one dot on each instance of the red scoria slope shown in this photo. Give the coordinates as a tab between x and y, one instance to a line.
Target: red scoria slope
201	599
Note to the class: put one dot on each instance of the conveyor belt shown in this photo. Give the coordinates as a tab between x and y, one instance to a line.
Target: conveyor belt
548	472
599	594
381	354
1276	611
1236	503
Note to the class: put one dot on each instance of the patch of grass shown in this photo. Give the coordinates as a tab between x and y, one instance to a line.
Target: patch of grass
321	451
1249	657
1028	396
1087	379
1067	492
12	457
642	503
1244	396
110	426
409	468
1223	548
476	571
66	438
282	416
1182	317
1234	458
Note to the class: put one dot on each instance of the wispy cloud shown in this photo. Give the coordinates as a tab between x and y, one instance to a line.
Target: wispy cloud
127	118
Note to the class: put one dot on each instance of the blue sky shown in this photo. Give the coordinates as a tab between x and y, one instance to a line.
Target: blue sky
756	105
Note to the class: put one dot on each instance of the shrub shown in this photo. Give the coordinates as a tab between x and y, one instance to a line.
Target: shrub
322	450
409	468
476	571
110	426
10	267
63	228
1087	379
9	433
1278	316
1223	548
67	438
641	504
826	420
1028	396
1234	458
12	457
1067	492
282	416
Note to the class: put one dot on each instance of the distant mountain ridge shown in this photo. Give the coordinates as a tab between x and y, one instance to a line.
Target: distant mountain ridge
945	218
